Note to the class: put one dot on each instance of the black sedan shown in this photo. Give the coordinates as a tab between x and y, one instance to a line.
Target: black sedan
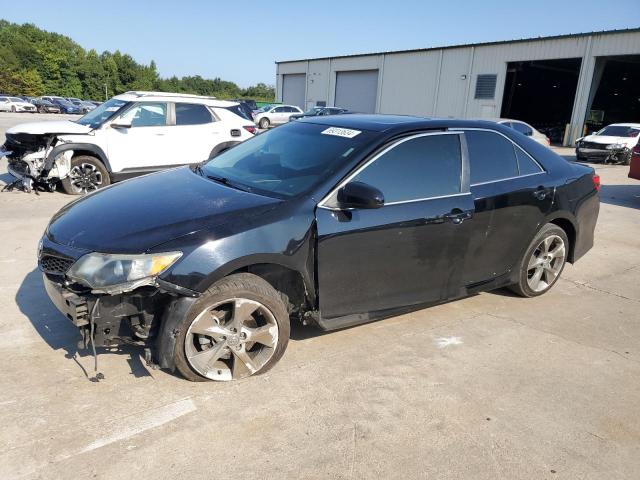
334	221
319	111
45	106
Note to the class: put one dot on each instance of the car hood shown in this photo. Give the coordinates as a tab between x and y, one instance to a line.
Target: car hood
50	127
607	140
22	104
136	215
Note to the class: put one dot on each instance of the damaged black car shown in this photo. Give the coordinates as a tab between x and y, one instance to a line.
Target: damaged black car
327	221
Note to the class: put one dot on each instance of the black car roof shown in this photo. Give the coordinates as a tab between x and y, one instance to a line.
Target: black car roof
397	123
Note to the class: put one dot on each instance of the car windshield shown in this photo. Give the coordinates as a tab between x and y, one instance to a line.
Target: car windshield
619	131
313	111
265	108
102	113
288	160
16	99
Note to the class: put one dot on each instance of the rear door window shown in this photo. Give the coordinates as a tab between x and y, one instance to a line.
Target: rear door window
415	169
491	157
192	114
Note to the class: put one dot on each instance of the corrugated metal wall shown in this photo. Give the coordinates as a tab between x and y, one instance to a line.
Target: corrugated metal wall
442	82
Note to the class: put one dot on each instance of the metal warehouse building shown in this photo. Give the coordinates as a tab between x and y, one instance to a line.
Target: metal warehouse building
562	85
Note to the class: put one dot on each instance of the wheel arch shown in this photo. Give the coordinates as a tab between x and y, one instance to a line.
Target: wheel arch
78	149
569	227
284	277
221	147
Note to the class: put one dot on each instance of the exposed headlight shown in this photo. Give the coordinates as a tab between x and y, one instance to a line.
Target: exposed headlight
615	146
106	273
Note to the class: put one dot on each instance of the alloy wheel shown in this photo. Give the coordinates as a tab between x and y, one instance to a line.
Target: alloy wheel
231	339
85	178
546	263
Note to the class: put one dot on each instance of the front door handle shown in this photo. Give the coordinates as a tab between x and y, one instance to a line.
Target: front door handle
458	216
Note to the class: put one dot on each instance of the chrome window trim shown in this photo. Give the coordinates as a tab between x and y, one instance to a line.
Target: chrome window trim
505	179
515	145
390	147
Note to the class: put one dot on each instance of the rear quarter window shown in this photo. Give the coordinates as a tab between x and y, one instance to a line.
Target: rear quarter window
192	114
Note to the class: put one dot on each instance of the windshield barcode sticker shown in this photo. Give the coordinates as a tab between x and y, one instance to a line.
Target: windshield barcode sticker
341	132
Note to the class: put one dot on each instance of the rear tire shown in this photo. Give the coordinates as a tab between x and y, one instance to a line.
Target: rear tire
214	340
264	123
543	262
87	174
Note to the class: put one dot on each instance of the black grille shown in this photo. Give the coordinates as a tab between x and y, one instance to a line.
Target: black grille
55	265
593	145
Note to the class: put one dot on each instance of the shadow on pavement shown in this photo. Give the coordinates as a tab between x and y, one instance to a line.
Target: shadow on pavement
60	333
622	195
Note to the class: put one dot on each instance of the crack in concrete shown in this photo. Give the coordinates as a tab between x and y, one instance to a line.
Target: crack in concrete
596	289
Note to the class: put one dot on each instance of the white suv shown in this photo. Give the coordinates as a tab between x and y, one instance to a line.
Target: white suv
275	115
128	135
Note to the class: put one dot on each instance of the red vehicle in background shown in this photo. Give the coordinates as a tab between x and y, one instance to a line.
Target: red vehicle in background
634	165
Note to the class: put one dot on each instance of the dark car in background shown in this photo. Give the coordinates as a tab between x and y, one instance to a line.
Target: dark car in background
45	106
332	221
634	163
319	111
65	105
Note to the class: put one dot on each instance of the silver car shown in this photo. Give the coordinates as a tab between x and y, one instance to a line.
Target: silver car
525	129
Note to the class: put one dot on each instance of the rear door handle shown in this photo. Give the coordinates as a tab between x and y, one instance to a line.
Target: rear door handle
541	193
458	216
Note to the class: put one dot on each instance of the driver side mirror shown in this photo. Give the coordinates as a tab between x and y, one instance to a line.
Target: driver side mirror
121	123
360	195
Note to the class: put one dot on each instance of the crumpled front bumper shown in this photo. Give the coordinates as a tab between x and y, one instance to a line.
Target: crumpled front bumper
75	307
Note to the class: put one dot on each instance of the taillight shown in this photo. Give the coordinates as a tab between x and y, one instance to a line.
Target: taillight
548	141
636	150
250	128
596	181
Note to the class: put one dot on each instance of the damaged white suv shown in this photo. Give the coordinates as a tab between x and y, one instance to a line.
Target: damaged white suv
130	134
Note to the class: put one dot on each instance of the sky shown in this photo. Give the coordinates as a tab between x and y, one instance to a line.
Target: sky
241	41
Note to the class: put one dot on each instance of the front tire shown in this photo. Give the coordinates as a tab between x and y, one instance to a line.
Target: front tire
87	174
543	262
264	123
238	328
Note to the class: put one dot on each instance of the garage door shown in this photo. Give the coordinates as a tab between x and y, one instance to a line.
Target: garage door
357	90
293	89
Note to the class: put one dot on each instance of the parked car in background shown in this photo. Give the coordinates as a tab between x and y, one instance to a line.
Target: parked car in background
5	104
66	106
333	221
17	104
275	115
73	100
45	106
85	107
244	110
130	134
634	164
319	111
247	101
613	144
96	103
525	129
63	104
